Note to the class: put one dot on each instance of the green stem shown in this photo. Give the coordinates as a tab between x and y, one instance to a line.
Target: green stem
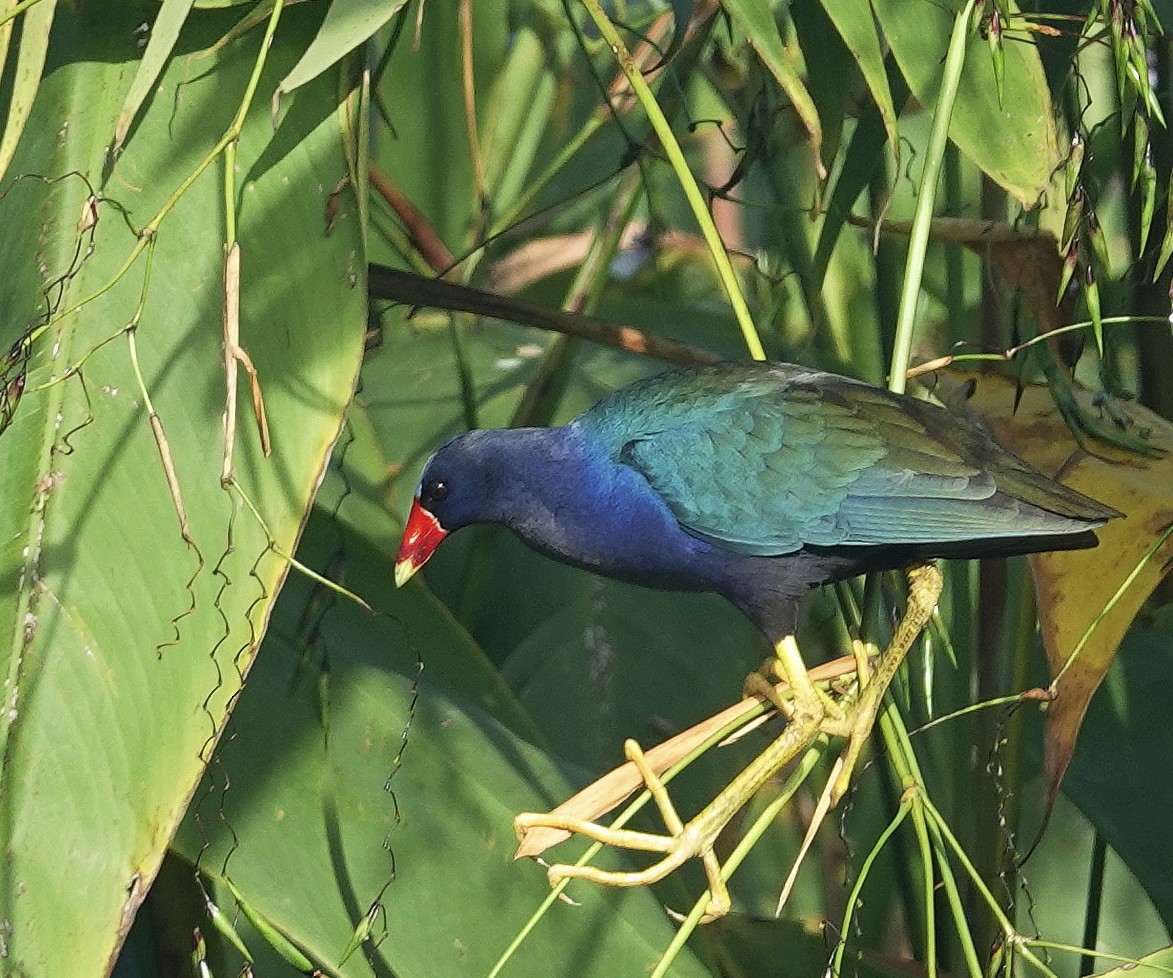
922	219
904	760
16	11
836	967
1009	934
1095	904
801	772
1106	955
684	176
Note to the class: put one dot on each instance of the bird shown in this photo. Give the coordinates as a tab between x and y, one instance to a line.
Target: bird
757	481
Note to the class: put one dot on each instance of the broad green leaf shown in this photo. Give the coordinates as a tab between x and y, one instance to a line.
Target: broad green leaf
1126	740
30	61
1026	151
124	646
1058	878
618	661
347	24
403	802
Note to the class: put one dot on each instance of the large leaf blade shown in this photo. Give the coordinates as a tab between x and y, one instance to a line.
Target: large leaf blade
398	794
120	670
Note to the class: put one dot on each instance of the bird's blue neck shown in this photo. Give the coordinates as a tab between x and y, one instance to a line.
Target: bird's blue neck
568	498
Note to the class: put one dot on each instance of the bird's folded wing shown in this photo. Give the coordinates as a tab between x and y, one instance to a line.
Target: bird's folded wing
826	461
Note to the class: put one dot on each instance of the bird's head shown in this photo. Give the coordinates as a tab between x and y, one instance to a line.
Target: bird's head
431	517
517	477
462	483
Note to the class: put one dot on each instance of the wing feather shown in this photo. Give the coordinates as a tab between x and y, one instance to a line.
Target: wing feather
765	459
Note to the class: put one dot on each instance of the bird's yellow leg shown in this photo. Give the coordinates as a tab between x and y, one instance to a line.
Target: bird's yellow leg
925	584
790	667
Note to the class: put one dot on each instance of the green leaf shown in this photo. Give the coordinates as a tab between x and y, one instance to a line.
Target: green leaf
164	34
1026	152
1144	176
123	645
514	126
997	54
30	61
1166	251
757	21
1125	741
861	160
1073	166
600	666
227	929
287	950
832	89
7	19
1091	297
857	26
347	24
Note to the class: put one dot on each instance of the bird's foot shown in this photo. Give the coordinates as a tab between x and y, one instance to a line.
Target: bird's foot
682	841
805	697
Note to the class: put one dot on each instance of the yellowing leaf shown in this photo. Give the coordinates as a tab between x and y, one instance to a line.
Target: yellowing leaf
1088	598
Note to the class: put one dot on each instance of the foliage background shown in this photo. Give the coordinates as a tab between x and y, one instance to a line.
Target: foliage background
174	697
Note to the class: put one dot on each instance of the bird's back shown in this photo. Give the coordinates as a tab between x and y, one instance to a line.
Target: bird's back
766	459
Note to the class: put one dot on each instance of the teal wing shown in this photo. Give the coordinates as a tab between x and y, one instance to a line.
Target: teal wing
766	459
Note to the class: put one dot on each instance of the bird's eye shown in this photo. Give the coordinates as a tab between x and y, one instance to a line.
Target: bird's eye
436	492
